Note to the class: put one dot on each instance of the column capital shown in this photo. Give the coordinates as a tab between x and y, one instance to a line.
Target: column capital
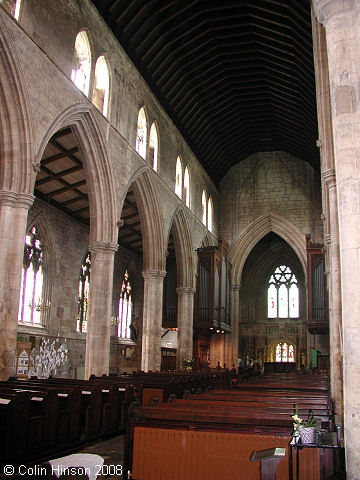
329	177
327	10
14	199
236	288
186	290
147	274
103	247
327	239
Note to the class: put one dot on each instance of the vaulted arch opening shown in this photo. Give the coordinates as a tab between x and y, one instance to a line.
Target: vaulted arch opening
272	314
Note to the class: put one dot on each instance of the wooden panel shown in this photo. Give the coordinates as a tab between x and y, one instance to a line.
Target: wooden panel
167	454
150	393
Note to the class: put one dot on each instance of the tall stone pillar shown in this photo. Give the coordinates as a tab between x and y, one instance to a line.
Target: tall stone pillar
14	208
185	317
339	18
335	320
97	355
235	319
152	319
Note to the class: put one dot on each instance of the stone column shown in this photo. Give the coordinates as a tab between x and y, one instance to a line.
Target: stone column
97	355
340	20
152	319
235	319
185	317
334	283
14	208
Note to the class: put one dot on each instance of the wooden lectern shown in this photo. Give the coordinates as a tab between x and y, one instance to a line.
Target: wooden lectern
269	461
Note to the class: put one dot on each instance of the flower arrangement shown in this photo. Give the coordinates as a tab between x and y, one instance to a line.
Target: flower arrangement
298	422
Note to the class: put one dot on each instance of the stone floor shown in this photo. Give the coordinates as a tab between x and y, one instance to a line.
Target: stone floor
112	451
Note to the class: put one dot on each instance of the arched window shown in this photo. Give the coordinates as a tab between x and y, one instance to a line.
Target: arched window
154	147
141	133
284	352
178	178
13	7
125	308
101	85
187	187
204	208
283	294
32	306
83	301
17	9
80	74
210	214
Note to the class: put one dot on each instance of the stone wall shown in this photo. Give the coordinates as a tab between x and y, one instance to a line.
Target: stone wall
272	182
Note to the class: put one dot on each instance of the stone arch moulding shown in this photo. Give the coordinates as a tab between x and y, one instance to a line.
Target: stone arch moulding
152	222
17	145
184	249
98	170
254	232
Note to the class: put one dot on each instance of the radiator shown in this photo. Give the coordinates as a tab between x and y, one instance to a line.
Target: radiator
167	454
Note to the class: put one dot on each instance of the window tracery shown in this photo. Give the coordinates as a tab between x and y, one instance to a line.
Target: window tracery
32	305
83	300
283	294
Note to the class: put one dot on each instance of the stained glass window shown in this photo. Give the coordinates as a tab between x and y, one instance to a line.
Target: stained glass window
32	306
125	308
284	352
283	294
83	301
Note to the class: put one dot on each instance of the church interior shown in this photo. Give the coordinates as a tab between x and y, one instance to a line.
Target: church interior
180	212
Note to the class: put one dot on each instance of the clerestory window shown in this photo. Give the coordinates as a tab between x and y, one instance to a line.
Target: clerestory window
154	147
187	187
101	85
283	294
178	178
80	74
141	133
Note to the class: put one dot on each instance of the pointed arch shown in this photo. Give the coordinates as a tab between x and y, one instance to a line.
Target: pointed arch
152	222
254	232
17	146
184	249
98	170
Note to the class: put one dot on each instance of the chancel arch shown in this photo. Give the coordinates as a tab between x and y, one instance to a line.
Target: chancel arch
253	233
271	261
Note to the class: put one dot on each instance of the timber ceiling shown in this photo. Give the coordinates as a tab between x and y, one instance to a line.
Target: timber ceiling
236	77
61	182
